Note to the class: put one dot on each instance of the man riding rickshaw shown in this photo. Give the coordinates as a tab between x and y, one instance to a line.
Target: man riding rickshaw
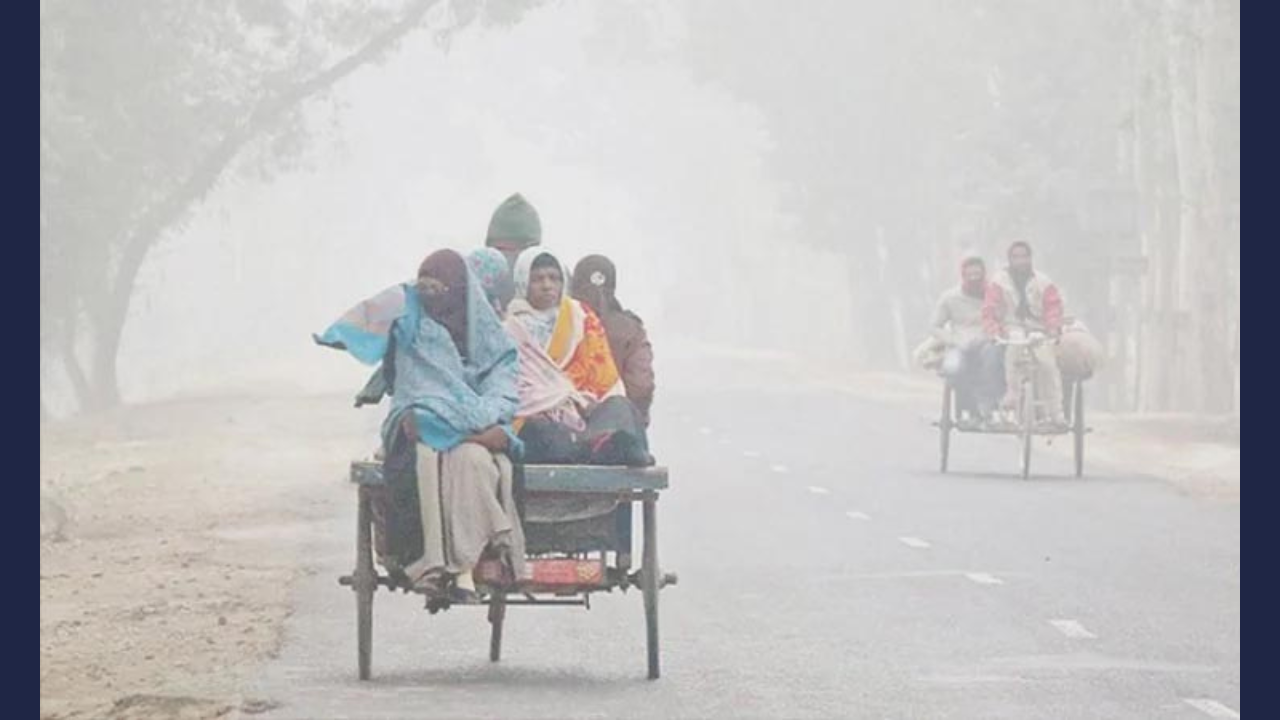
1021	303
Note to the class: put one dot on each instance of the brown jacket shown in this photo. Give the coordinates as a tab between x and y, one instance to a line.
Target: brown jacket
634	356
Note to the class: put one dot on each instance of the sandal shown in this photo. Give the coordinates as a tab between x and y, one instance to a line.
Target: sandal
433	584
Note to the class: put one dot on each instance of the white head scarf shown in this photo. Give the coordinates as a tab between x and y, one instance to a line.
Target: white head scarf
541	323
524	268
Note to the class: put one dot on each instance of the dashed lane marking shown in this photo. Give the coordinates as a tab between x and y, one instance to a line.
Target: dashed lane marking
984	578
1072	629
1212	708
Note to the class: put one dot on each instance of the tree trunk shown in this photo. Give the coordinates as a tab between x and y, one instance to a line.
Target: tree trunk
1186	359
80	384
1205	371
881	320
1150	164
1213	273
1157	172
108	326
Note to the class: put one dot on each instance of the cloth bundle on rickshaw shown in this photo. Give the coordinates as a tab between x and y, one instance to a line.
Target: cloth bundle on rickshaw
928	354
1080	354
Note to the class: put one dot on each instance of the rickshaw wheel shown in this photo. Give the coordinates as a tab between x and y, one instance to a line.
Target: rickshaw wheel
944	427
1028	420
1077	423
497	614
364	582
649	583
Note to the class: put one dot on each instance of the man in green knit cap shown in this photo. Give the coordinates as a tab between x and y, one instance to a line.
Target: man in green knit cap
514	227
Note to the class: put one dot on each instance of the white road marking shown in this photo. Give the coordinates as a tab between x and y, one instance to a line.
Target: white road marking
1212	708
897	575
1072	629
818	490
914	542
750	453
855	515
704	430
782	469
974	679
984	578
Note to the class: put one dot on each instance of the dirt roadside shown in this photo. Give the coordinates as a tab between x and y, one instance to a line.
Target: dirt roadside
170	536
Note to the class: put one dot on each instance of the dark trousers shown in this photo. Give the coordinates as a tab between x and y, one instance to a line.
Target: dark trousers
978	377
615	435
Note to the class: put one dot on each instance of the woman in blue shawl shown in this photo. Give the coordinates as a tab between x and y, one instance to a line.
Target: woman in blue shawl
447	438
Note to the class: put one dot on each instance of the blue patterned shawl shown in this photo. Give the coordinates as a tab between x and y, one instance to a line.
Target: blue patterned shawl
451	398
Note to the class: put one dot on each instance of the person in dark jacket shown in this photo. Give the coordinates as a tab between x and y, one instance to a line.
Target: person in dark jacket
594	283
595	280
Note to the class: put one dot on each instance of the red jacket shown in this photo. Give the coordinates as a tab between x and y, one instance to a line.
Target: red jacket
1003	305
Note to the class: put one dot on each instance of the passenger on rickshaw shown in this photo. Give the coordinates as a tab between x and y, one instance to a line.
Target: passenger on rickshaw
513	228
573	404
595	282
971	362
1023	301
446	439
491	269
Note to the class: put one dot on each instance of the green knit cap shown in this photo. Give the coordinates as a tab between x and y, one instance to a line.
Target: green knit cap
515	222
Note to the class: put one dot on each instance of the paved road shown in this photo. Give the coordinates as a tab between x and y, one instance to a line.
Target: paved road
827	570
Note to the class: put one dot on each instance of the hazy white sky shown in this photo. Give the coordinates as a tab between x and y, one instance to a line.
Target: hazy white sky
616	152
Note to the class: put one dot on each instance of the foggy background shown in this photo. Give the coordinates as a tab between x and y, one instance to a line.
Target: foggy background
786	189
221	179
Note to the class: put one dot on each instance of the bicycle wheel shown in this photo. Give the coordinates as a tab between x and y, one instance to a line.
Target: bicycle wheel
1028	420
1078	428
944	426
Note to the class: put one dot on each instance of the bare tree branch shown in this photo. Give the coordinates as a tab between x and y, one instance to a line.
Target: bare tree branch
164	214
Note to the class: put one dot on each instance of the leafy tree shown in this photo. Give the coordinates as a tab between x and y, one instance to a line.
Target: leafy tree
146	106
